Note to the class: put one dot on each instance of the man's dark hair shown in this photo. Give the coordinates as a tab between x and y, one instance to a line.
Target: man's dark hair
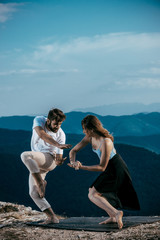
56	114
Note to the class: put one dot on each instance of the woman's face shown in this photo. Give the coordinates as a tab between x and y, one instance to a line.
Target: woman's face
87	132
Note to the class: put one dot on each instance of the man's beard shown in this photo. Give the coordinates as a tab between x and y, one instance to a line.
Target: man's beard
51	129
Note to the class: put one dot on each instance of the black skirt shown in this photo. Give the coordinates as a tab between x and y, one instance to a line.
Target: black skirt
115	185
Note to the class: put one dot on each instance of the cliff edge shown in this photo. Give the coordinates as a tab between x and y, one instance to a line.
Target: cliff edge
13	219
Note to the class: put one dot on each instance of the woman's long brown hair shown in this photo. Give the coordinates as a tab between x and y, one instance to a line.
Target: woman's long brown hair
91	122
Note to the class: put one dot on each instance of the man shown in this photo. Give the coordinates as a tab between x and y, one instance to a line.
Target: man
47	144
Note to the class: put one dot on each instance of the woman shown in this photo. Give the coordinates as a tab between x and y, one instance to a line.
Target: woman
113	188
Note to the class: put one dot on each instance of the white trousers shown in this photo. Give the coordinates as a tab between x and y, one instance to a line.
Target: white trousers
38	162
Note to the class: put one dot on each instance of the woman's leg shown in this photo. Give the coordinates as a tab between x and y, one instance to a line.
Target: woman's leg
115	215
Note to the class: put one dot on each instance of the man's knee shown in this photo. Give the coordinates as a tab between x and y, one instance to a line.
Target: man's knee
25	156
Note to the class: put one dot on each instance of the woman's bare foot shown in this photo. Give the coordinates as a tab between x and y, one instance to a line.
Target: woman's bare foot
51	220
42	188
118	217
109	220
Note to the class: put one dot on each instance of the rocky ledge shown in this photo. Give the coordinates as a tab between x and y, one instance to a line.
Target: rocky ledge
13	218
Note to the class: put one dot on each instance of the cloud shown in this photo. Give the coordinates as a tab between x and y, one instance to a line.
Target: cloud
100	43
7	9
36	71
22	71
153	70
151	83
10	88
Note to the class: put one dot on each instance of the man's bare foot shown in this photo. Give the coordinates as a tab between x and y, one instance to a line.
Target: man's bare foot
51	220
118	217
109	220
42	188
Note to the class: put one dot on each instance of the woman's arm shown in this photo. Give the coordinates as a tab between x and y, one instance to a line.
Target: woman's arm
77	148
105	149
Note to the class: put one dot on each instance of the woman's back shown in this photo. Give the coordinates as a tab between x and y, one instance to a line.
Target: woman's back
98	152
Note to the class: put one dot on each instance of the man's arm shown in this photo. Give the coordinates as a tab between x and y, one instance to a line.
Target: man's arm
47	138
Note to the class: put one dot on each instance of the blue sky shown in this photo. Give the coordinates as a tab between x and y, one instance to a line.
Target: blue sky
78	53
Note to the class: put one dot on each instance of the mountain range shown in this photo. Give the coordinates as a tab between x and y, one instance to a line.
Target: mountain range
128	125
119	109
22	138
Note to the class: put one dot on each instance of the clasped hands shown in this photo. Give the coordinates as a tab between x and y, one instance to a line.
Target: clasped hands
59	160
76	165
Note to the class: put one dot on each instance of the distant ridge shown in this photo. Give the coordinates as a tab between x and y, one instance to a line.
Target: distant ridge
17	122
129	125
120	109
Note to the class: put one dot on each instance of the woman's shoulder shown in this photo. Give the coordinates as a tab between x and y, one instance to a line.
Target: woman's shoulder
85	139
107	139
107	142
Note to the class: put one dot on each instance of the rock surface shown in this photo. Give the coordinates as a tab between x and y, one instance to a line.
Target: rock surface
13	218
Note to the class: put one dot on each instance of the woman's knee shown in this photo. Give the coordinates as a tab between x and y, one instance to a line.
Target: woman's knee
90	194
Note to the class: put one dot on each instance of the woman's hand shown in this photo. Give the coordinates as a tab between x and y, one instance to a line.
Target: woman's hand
76	165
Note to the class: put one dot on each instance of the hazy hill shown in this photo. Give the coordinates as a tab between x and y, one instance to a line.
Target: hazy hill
133	125
22	138
119	109
67	189
151	142
17	122
14	141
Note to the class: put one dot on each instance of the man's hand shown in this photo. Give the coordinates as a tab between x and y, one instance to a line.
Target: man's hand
64	146
59	161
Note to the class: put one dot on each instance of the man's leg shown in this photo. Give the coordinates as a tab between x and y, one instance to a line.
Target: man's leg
41	202
37	162
34	169
41	184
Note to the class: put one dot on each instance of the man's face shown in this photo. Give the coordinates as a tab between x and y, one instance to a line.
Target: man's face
54	126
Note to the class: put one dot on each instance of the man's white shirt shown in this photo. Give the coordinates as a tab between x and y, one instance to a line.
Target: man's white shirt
39	145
